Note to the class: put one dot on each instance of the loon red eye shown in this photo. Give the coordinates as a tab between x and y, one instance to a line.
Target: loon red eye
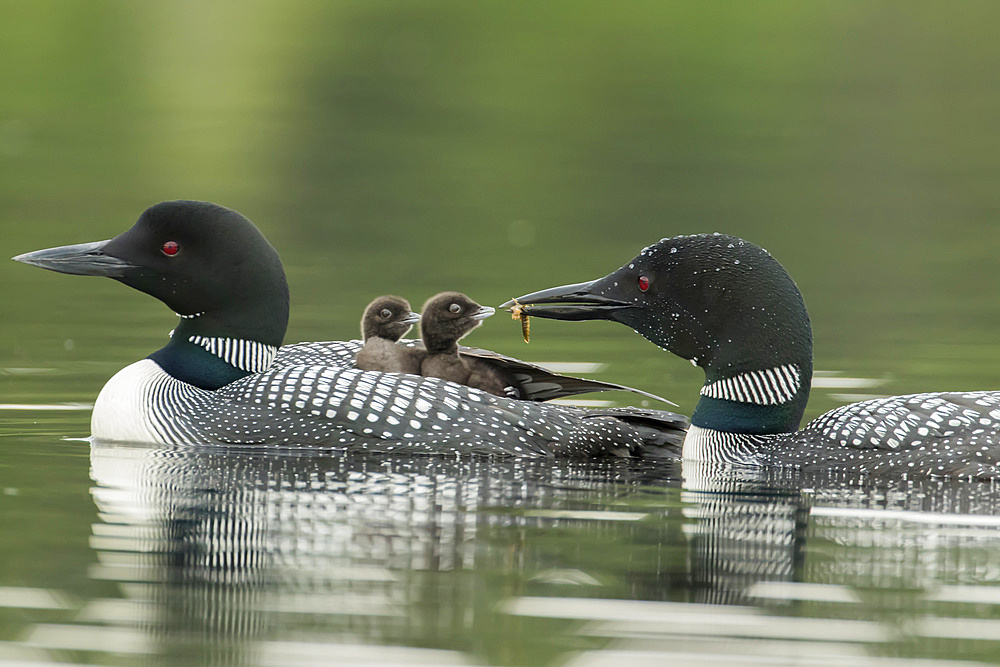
643	283
170	248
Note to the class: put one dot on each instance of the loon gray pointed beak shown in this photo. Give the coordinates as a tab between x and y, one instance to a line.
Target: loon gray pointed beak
82	259
568	302
412	318
483	313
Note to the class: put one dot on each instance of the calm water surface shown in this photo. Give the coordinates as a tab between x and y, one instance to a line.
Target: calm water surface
420	147
164	556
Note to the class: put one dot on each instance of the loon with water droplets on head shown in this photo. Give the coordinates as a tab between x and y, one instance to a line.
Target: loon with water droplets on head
217	381
729	307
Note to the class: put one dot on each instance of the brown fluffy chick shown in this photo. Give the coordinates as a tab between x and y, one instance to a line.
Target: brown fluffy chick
386	320
446	318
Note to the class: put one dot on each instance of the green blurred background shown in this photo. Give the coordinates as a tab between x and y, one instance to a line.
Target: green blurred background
494	148
502	147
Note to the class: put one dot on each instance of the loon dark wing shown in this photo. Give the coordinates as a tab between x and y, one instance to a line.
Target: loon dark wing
538	383
943	434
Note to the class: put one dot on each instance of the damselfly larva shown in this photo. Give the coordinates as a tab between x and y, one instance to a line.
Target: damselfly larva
518	312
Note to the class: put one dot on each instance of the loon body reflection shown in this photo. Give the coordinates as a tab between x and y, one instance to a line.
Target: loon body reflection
216	381
242	558
729	307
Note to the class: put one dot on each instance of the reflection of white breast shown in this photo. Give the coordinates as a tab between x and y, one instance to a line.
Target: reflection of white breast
706	444
123	410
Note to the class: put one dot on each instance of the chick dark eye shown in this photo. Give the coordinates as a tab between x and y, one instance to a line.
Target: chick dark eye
643	283
386	313
170	248
455	308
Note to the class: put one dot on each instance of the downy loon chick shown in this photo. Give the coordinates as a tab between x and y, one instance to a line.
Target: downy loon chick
385	321
729	307
216	381
447	318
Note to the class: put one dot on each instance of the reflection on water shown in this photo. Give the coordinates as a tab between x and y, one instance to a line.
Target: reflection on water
233	557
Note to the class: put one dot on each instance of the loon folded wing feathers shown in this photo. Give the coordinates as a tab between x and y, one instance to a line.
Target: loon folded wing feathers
408	413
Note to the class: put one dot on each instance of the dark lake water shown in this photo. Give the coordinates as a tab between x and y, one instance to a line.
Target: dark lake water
497	149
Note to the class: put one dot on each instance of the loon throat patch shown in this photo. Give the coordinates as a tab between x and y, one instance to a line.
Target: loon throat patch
767	387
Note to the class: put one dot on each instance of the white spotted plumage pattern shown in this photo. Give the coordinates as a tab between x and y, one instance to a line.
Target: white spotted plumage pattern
944	434
350	409
339	353
771	386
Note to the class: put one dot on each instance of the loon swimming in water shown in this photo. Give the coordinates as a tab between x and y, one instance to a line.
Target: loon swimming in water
385	321
216	380
729	307
447	318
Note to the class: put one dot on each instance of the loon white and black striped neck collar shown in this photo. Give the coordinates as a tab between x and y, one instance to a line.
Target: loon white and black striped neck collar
247	355
771	386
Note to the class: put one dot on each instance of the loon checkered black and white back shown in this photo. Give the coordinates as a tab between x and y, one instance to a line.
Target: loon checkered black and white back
729	307
216	381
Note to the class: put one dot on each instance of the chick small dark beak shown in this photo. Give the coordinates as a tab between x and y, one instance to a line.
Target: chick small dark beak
82	259
568	302
412	318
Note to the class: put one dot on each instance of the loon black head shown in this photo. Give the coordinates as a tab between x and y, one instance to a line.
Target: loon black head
208	264
447	317
388	317
721	302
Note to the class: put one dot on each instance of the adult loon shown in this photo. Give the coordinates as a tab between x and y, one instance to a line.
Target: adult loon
447	318
384	322
729	307
216	382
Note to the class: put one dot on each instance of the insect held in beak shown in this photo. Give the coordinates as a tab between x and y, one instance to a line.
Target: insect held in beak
518	312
